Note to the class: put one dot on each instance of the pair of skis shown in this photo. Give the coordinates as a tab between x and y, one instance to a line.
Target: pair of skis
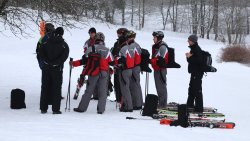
191	114
173	106
200	122
195	122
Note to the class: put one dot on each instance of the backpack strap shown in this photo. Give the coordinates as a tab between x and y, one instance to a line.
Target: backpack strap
93	49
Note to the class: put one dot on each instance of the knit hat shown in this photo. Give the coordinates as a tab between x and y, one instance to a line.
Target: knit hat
193	38
92	30
60	31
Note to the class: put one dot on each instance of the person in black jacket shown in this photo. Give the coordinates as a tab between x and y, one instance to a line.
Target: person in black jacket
194	59
121	41
54	52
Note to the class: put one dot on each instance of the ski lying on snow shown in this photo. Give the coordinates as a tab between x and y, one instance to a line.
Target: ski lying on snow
211	123
173	106
195	114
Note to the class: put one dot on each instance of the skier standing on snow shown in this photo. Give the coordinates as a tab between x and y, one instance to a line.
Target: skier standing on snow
89	43
135	86
54	52
125	62
121	41
97	75
158	62
49	28
194	59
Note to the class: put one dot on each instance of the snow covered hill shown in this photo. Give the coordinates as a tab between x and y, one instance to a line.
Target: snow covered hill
227	90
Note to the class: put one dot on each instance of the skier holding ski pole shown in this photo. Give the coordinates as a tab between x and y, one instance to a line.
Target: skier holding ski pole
97	65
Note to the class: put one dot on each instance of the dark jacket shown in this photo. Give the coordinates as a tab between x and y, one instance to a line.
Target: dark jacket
116	49
195	61
54	51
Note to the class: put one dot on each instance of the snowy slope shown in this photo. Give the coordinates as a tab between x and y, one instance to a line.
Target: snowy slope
226	90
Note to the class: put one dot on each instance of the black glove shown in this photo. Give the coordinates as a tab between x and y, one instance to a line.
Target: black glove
84	60
161	62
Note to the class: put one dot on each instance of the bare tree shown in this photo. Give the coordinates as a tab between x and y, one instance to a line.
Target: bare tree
15	14
202	17
174	14
194	10
143	13
164	13
209	19
132	13
216	18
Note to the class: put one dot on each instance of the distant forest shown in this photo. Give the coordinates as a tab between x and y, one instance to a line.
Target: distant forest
223	20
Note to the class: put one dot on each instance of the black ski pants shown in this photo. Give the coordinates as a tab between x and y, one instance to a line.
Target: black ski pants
195	98
51	88
118	94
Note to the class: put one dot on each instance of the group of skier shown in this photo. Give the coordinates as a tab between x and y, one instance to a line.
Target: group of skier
125	57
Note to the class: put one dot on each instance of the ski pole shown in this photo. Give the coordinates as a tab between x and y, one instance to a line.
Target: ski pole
133	118
68	94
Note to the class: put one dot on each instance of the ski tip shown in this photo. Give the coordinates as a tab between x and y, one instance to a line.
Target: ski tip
230	126
165	121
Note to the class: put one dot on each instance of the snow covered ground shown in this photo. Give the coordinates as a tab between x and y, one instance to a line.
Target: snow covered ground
226	90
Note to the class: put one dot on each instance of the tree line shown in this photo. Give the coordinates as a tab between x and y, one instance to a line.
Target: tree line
224	20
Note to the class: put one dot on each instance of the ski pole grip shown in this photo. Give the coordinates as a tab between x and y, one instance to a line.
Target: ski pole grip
70	59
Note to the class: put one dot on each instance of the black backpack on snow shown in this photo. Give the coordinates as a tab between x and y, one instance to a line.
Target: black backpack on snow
182	116
150	106
17	99
207	62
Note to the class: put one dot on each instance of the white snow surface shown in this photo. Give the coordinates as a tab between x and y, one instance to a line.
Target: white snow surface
226	90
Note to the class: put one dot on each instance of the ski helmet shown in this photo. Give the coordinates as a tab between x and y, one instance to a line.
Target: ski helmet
99	36
158	34
131	34
122	31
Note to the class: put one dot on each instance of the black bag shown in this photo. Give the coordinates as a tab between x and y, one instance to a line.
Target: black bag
207	62
145	60
150	106
17	100
182	116
171	59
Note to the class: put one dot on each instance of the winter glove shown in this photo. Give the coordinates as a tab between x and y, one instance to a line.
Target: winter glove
161	62
75	63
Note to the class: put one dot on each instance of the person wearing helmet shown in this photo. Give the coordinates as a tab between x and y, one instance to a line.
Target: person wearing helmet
125	63
194	59
158	62
135	86
99	79
121	41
